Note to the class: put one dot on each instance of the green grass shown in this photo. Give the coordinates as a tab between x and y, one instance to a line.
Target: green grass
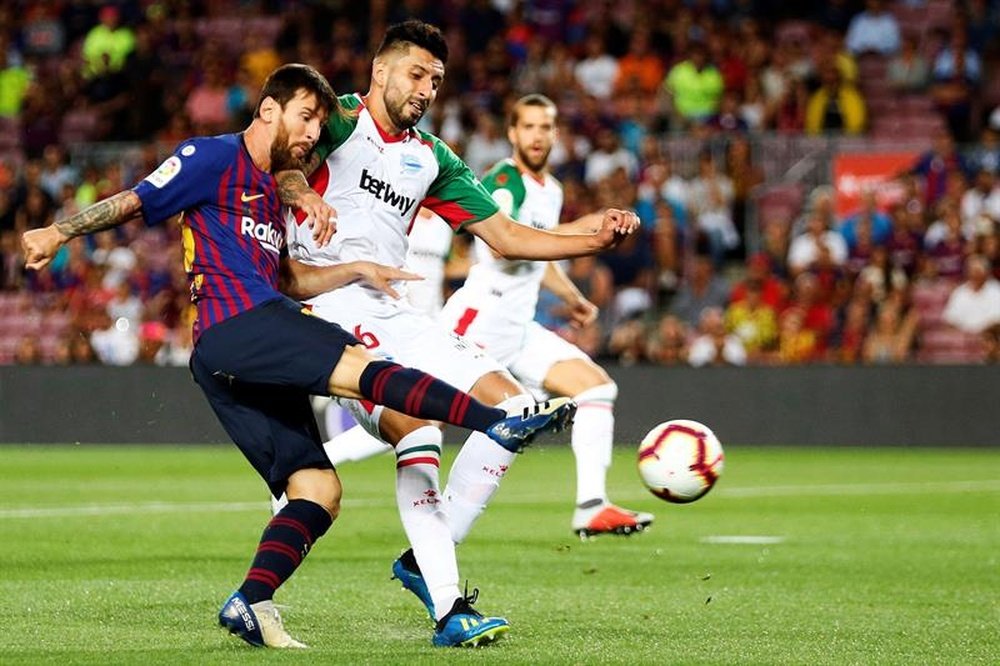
889	557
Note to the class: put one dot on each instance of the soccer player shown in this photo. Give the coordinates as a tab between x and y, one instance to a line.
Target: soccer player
495	309
258	354
376	170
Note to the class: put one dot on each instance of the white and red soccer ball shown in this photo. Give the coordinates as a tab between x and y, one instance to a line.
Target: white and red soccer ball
680	460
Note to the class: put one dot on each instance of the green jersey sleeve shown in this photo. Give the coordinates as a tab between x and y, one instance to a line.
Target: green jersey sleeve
339	126
505	183
456	195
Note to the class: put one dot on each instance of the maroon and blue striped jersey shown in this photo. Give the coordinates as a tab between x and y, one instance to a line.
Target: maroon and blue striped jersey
232	224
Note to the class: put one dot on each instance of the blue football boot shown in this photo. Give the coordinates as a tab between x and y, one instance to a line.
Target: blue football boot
464	626
516	432
259	625
407	572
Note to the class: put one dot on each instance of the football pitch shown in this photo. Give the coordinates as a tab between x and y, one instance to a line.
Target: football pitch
123	554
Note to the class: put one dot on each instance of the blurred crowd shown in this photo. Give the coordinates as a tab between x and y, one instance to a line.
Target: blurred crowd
911	279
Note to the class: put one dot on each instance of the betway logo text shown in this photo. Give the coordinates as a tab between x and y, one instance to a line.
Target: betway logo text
269	237
383	190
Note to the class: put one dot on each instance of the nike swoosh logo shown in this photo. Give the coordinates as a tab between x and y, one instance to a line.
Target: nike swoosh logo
245	197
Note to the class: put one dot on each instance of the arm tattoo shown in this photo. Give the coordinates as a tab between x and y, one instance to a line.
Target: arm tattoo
291	186
102	215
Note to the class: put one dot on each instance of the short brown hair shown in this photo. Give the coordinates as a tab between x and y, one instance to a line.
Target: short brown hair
534	99
284	83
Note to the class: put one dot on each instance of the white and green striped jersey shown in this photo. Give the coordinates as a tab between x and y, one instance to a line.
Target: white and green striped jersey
377	182
513	284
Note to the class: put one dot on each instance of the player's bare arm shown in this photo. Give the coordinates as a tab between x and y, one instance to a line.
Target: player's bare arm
511	240
302	281
581	311
294	191
40	245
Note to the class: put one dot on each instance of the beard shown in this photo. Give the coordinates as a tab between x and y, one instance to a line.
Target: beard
402	115
282	158
534	165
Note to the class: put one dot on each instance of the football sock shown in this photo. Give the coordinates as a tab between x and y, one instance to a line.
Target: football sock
354	444
418	394
421	510
475	475
591	439
284	544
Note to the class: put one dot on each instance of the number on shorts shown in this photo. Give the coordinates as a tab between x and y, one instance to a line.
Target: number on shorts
467	317
367	338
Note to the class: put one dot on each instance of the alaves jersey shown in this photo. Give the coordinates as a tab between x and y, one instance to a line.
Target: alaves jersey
430	244
377	182
513	284
233	227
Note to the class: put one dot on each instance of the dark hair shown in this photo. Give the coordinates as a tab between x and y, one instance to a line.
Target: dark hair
415	33
534	99
284	83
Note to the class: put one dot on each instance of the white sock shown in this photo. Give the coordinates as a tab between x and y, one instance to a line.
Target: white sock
421	510
475	475
591	438
354	444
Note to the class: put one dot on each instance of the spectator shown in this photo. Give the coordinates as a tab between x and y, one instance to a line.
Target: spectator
908	73
28	352
754	322
639	70
974	305
207	104
985	155
607	157
56	171
14	83
879	224
714	345
890	341
701	288
107	45
807	248
486	146
695	87
836	106
982	199
597	72
957	73
945	244
937	165
849	336
669	345
711	204
796	343
875	30
116	342
817	314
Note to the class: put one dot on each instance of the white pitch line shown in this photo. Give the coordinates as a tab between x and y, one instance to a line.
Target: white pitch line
147	507
891	488
743	539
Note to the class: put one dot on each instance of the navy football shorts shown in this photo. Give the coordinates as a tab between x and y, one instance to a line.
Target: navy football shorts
257	370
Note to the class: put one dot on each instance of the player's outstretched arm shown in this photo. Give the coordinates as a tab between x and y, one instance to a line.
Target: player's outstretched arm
581	311
302	281
588	224
41	245
511	240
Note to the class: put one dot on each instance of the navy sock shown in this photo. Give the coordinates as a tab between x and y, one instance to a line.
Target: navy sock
418	394
285	543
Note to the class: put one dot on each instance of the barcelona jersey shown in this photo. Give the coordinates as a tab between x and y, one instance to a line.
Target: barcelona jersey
232	224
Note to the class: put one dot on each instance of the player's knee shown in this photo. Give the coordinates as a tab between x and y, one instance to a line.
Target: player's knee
606	393
320	486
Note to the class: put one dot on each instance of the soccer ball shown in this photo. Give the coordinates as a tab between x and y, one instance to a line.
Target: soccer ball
680	460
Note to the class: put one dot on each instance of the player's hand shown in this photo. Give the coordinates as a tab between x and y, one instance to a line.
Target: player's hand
582	313
320	216
616	225
381	277
40	246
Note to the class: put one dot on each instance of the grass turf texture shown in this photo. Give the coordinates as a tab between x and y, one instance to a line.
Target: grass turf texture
124	554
